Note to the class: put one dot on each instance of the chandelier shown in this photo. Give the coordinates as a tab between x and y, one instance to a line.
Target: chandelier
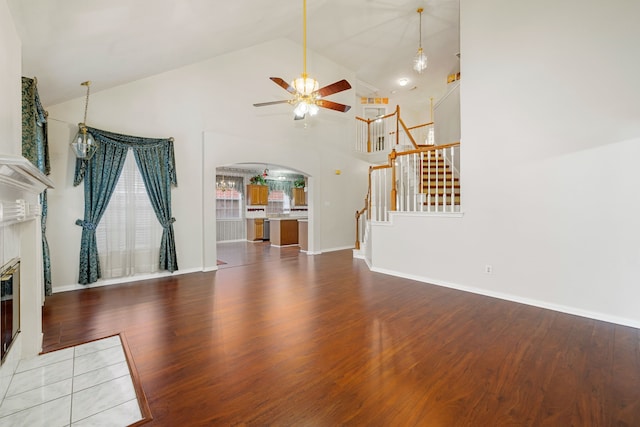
83	144
224	185
420	59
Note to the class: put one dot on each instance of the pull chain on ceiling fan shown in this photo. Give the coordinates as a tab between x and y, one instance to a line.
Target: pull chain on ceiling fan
306	95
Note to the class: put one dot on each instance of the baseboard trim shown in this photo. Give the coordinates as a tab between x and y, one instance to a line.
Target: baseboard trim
341	248
514	298
120	280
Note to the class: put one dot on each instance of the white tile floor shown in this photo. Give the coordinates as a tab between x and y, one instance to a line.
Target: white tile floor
85	385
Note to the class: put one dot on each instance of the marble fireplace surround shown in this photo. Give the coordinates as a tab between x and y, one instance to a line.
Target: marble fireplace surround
20	236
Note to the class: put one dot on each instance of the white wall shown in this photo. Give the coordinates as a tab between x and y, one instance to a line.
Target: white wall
210	103
10	85
23	239
550	147
10	118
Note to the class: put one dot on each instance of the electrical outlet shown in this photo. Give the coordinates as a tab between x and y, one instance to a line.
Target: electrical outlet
488	269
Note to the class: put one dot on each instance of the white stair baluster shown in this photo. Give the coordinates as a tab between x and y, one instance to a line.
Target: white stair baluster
453	189
420	173
437	182
429	158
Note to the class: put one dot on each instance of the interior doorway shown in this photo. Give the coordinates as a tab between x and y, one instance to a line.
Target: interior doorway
262	210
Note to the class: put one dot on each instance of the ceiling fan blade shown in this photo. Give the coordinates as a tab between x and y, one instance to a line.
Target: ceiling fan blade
333	105
286	86
332	88
262	104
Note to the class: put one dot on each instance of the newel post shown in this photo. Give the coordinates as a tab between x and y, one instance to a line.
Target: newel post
394	189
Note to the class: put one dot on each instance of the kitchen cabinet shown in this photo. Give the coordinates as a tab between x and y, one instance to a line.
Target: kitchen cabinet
284	231
299	197
255	229
257	194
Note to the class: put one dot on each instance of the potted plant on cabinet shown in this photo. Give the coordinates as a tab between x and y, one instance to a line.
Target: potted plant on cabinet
257	191
299	183
257	180
299	196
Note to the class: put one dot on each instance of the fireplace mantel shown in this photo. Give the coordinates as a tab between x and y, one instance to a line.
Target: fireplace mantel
20	184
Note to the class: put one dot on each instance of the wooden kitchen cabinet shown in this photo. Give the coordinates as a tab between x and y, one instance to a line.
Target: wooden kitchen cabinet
284	232
257	194
299	197
255	229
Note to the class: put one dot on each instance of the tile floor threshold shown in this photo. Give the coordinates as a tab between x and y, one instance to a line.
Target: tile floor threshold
91	384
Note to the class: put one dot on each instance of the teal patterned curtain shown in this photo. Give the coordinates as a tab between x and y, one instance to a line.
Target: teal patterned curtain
158	181
156	162
285	186
35	148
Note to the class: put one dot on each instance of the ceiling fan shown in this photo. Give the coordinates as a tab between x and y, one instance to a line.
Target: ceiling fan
307	98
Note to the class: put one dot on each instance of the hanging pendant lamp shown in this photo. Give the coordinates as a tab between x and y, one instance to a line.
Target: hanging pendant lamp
420	59
83	145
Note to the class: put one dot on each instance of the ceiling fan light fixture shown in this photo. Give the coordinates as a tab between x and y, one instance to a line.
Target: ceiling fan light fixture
306	94
420	59
301	109
305	85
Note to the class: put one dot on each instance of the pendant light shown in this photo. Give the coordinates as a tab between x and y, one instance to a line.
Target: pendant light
225	185
83	145
420	60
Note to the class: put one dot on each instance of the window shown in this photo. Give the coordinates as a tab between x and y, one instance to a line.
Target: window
128	235
229	195
279	202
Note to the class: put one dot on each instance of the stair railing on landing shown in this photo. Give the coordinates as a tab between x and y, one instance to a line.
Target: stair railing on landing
384	133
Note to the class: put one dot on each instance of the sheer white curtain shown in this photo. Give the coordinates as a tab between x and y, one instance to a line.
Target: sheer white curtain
129	234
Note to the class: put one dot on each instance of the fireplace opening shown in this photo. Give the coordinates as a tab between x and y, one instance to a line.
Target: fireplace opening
9	305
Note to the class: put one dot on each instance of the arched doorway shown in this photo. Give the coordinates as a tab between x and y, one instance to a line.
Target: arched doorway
261	211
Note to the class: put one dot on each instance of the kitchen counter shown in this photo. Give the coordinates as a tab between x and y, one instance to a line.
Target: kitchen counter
284	231
303	233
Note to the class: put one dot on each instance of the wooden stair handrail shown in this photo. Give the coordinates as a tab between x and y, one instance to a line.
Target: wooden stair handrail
426	148
391	164
358	215
406	130
386	116
416	126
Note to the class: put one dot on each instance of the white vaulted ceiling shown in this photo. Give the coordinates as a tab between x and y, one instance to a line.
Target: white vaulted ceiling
113	42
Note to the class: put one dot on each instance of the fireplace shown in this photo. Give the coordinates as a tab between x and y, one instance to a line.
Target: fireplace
21	284
9	304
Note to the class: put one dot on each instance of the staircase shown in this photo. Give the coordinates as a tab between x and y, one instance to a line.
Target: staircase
439	183
413	178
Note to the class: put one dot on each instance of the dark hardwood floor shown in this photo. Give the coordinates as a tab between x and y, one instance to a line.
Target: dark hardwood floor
280	338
